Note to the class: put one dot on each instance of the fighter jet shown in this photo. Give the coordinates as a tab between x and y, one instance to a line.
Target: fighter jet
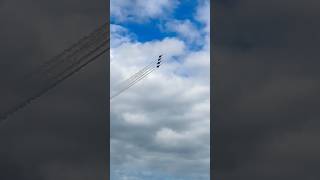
159	61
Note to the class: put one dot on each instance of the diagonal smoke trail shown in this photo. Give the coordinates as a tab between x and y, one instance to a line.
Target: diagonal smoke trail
67	52
71	58
140	77
49	73
60	69
75	64
82	50
132	83
138	73
135	76
4	116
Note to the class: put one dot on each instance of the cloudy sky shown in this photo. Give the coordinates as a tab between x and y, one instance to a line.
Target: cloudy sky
160	127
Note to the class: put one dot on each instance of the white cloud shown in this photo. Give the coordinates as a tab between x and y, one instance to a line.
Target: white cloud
163	121
140	10
185	29
203	14
197	64
132	56
162	124
120	35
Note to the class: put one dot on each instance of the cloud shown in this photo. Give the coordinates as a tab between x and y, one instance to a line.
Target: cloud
140	10
146	132
186	29
130	57
160	126
120	35
203	14
194	31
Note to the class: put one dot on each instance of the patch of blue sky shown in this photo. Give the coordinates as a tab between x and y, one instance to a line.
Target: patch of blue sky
151	29
185	10
148	31
194	46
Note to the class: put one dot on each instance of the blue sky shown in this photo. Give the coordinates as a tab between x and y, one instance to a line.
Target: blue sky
152	29
160	127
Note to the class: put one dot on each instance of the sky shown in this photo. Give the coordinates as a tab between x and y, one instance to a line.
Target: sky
160	128
266	93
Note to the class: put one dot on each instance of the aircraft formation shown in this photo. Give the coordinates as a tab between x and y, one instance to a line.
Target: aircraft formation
70	61
135	78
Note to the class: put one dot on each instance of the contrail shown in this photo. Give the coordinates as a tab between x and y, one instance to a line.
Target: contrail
86	47
85	52
74	64
135	78
66	53
132	83
67	63
5	116
47	71
140	77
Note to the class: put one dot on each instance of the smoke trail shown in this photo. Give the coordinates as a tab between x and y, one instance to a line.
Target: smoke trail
128	84
135	76
85	53
79	61
68	63
78	52
4	116
140	77
66	53
48	71
132	83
